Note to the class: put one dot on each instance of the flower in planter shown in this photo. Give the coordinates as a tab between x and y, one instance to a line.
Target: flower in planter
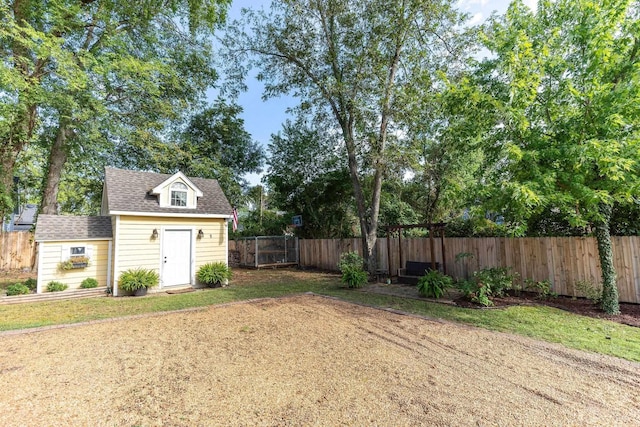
74	262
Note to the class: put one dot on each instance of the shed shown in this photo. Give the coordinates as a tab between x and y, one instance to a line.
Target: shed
172	224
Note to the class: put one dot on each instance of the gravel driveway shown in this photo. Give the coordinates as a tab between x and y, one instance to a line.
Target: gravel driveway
304	360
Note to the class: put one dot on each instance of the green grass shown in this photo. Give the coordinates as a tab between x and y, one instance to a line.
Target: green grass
542	323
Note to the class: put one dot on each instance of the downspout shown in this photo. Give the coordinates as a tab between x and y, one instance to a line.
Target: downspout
226	240
116	245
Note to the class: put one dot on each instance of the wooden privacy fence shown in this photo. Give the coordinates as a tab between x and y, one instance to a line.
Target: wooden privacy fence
17	250
561	260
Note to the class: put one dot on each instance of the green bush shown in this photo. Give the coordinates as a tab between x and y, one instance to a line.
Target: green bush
475	291
17	289
434	284
31	283
54	286
355	278
351	266
542	288
592	292
350	260
496	279
138	278
89	283
213	274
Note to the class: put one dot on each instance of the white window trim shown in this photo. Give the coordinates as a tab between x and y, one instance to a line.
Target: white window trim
184	191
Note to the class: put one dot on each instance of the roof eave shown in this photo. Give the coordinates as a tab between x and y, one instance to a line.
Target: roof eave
172	214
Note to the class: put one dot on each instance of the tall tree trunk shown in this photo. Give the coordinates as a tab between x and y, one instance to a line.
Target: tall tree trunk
57	159
610	302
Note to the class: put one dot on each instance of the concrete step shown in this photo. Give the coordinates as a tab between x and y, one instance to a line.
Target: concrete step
54	296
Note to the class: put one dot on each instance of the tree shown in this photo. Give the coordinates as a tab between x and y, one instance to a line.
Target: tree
308	177
566	84
348	61
216	145
78	73
443	150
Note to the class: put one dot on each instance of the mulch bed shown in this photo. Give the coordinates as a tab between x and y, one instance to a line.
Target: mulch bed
630	313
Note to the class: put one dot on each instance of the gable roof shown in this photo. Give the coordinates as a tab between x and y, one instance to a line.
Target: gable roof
61	227
178	175
129	191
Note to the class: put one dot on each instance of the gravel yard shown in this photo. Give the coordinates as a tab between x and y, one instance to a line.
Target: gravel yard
304	360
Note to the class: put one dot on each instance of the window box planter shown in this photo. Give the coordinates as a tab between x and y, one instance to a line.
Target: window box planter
74	263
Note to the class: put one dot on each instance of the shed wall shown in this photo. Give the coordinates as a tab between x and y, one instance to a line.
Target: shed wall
137	248
52	253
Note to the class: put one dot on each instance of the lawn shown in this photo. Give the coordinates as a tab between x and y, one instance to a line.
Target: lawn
539	322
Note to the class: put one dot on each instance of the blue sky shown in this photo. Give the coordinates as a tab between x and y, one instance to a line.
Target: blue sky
264	118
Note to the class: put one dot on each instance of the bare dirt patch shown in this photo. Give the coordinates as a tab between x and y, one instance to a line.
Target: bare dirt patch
305	360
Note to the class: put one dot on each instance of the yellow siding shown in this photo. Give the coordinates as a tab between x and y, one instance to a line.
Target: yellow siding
52	254
137	248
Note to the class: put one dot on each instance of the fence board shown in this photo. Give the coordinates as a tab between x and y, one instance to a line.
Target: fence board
562	260
17	250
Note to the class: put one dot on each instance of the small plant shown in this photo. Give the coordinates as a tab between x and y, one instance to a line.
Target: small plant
65	265
475	291
89	283
351	266
350	260
355	278
542	288
496	279
17	289
434	284
54	286
213	274
31	283
133	279
592	292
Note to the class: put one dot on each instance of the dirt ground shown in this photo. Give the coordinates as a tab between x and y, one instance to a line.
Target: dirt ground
304	360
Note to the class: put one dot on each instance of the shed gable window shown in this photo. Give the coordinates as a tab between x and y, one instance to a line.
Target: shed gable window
178	194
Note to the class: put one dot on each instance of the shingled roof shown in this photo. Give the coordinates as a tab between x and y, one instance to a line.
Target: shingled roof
129	191
60	227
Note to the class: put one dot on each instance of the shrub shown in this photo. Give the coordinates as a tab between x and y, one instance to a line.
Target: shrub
134	279
542	288
17	289
434	284
213	274
496	279
355	278
89	283
54	286
351	266
350	260
475	291
31	283
592	292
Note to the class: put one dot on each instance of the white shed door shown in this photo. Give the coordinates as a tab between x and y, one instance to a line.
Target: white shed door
176	257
